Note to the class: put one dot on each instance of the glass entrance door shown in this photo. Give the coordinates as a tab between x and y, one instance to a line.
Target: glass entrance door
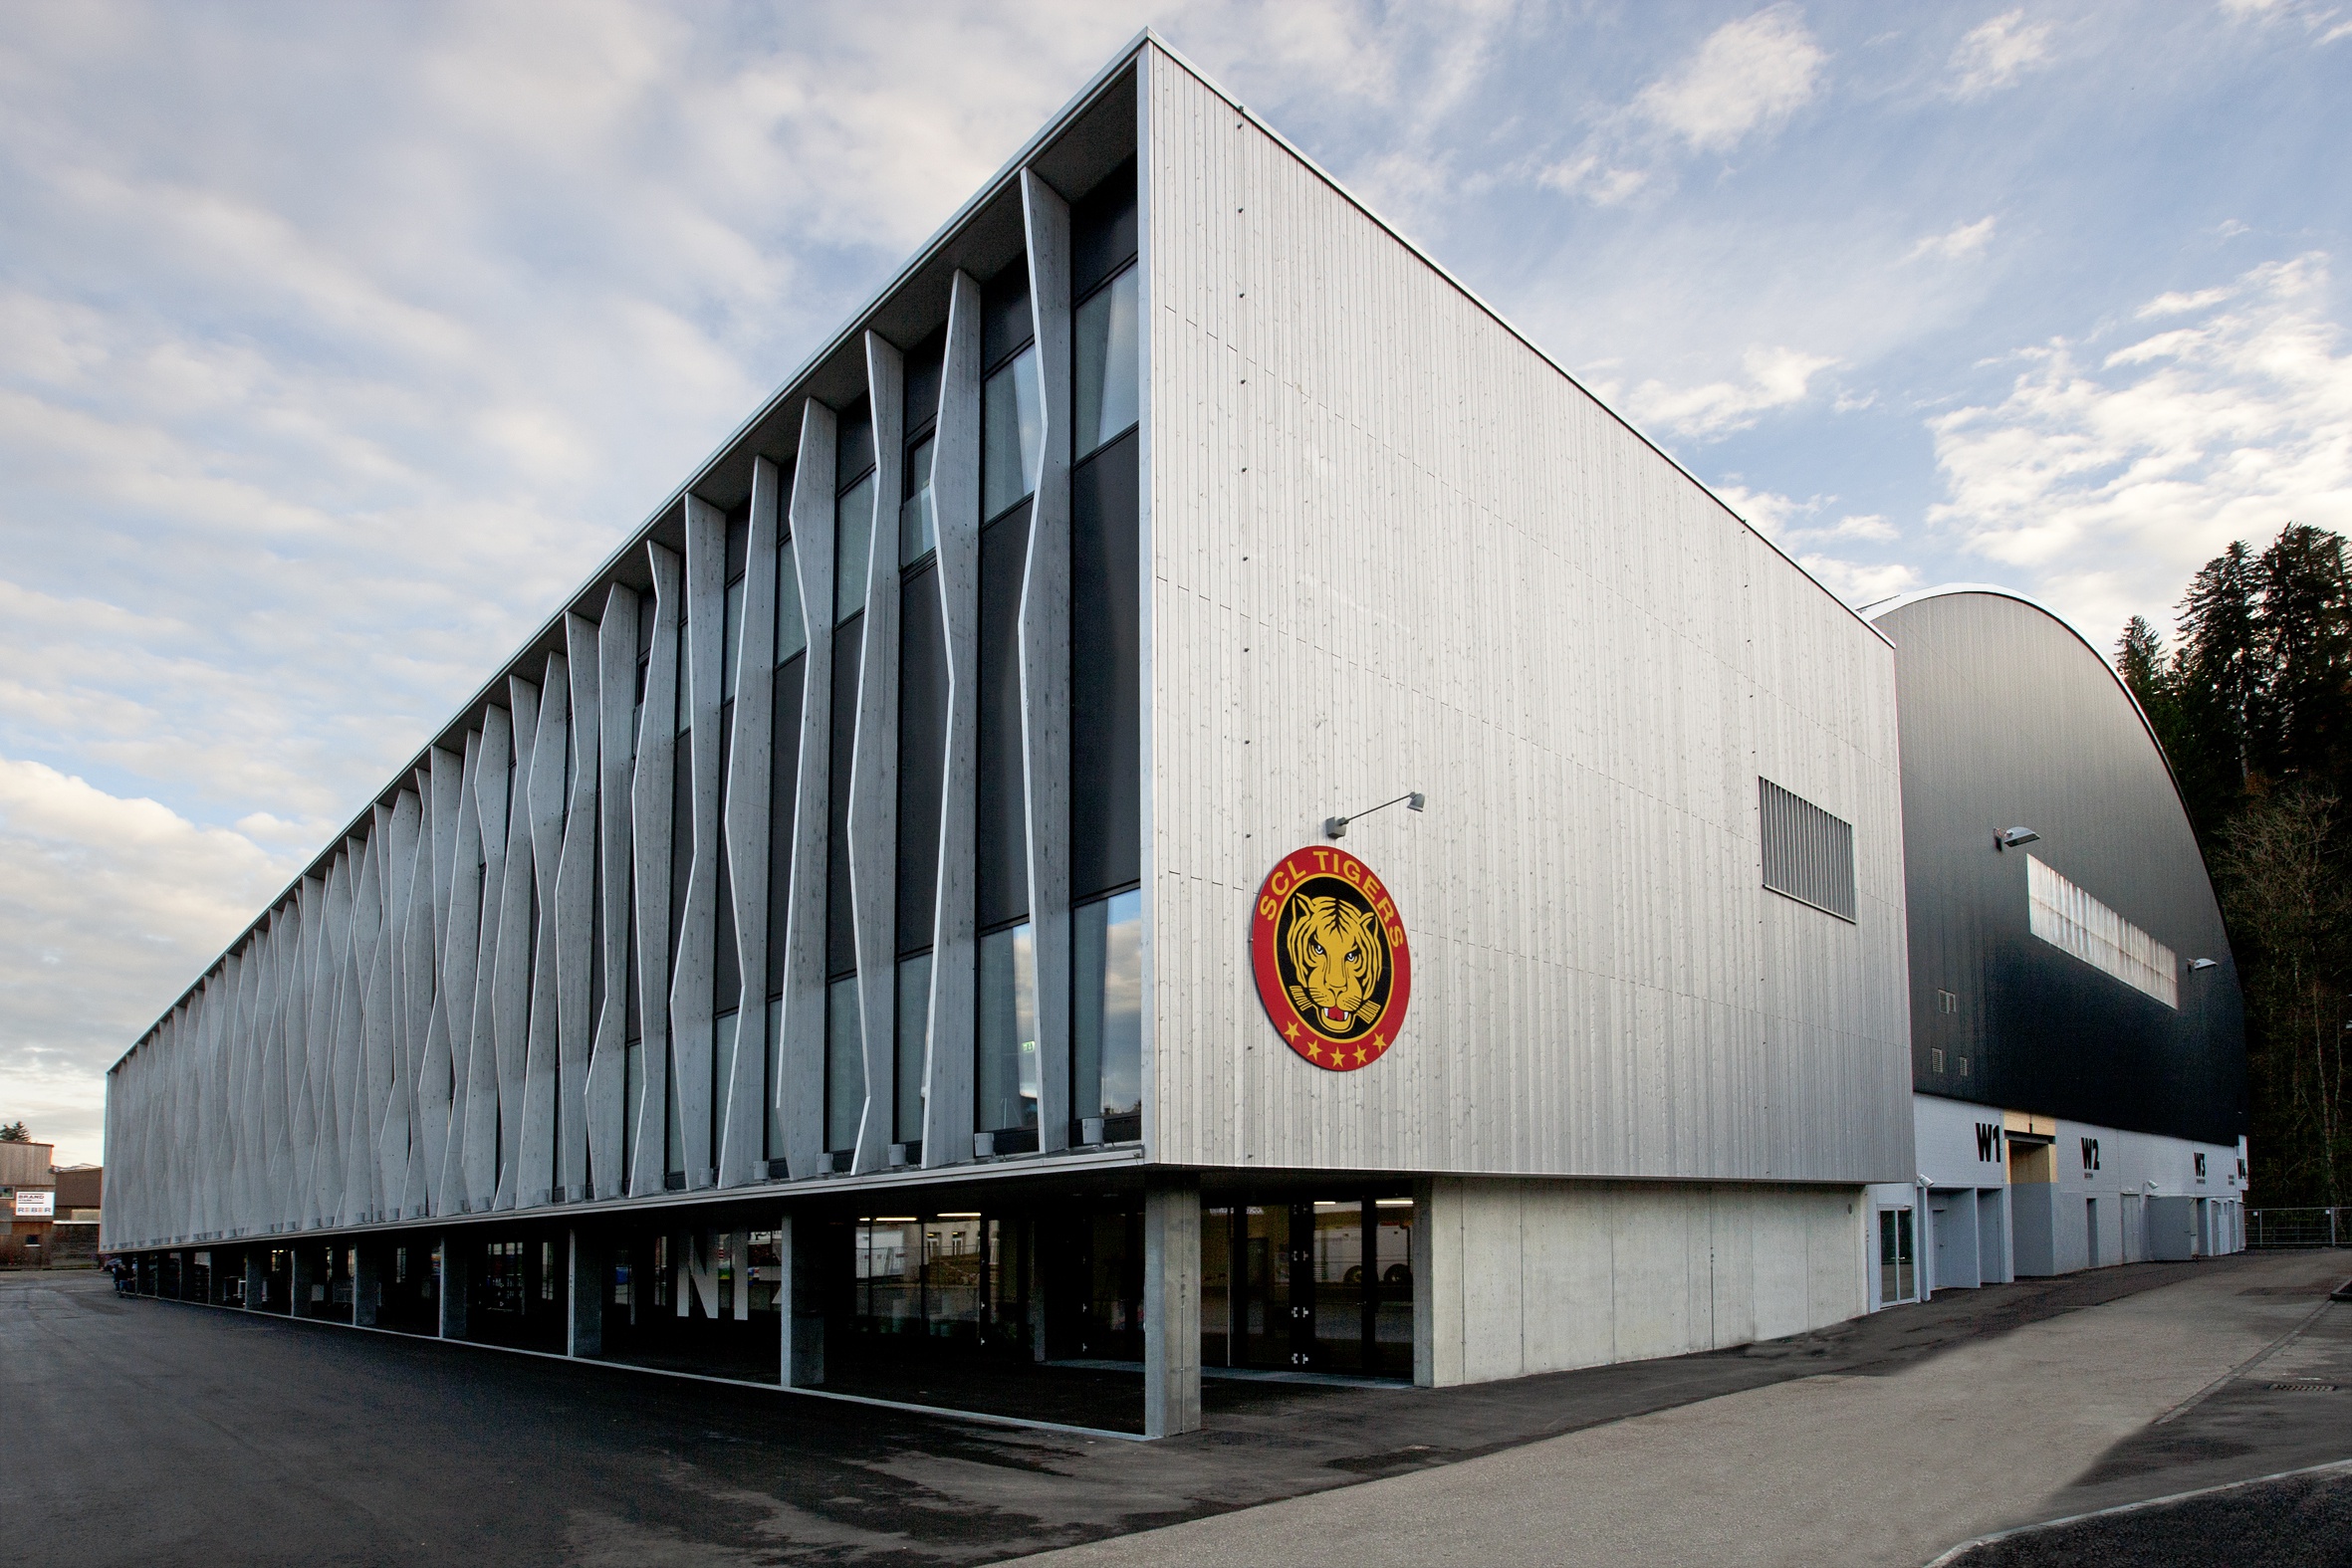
1264	1299
1325	1285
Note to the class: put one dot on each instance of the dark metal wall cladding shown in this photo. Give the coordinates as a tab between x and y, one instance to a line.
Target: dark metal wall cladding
2008	720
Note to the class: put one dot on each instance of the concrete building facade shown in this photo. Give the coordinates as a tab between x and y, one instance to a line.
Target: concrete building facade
929	894
2077	1031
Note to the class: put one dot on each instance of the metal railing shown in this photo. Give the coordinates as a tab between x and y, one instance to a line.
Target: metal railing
2288	1227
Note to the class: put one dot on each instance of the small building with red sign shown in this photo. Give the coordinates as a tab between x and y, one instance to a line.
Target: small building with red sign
49	1218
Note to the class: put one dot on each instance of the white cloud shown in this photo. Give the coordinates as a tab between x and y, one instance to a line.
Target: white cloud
1767	511
1746	77
1997	53
1784	521
1859	583
1777	378
2182	304
2112	477
1587	176
1751	75
1967	242
2324	19
113	908
1868	525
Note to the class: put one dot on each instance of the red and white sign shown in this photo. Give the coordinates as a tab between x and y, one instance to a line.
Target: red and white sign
1329	950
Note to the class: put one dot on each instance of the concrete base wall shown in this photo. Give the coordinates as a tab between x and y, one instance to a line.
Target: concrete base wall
2033	1217
1531	1276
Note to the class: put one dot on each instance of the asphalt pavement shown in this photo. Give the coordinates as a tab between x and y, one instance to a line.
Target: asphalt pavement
158	1433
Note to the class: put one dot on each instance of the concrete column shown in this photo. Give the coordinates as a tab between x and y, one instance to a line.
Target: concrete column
306	1274
254	1278
366	1285
799	1252
1034	1262
1172	1307
1437	1269
453	1289
739	1261
584	1320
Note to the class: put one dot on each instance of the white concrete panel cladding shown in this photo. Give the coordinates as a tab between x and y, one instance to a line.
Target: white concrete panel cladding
1544	1276
1393	548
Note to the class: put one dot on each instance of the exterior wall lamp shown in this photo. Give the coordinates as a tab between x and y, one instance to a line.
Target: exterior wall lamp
2012	838
1336	827
2197	963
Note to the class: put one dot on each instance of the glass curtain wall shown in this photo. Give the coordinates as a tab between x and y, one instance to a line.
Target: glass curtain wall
1320	1285
1105	395
725	955
853	538
1005	1090
1106	973
681	872
922	749
784	795
1011	428
632	1079
955	1277
1106	1024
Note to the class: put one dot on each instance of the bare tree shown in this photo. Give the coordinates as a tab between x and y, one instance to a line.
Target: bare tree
2281	886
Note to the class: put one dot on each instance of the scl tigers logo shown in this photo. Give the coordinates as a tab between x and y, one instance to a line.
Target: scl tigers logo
1332	967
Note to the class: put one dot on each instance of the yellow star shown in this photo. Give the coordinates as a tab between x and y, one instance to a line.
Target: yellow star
1315	1052
1378	1044
1361	1056
1291	1030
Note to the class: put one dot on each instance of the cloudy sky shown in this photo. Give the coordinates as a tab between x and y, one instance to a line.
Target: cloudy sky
337	342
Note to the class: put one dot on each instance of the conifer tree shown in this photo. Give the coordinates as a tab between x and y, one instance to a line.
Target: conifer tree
2217	678
2304	657
2140	660
2255	708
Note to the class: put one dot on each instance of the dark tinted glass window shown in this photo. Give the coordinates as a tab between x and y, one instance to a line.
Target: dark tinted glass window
1106	674
727	967
739	540
922	754
1102	230
783	797
922	384
854	445
1005	324
682	837
840	933
1003	848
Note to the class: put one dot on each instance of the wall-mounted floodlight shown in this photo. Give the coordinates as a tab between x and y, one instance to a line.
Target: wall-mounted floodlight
2011	838
2197	963
1336	827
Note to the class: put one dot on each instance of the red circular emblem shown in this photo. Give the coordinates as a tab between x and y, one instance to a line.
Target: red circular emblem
1328	949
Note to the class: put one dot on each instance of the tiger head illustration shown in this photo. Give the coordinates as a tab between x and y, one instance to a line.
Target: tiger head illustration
1337	951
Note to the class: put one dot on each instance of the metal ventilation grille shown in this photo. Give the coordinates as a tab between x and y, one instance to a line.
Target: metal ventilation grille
1808	855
